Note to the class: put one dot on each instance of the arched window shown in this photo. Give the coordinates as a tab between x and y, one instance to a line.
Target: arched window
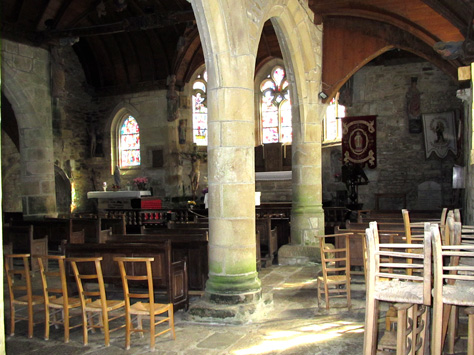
129	143
199	105
275	113
332	121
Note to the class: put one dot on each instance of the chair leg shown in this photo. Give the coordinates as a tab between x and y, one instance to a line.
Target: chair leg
326	295
452	330
370	334
128	326
470	330
402	325
105	325
84	327
30	321
437	328
12	319
46	323
152	332
66	325
348	293
318	285
171	321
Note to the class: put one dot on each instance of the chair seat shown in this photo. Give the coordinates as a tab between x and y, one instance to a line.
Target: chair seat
399	291
96	306
24	299
334	279
141	308
58	302
461	296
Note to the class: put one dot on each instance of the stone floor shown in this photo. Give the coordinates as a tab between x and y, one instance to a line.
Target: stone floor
292	324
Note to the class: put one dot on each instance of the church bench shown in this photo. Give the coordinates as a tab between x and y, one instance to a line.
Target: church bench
169	277
356	241
268	238
184	245
56	229
22	240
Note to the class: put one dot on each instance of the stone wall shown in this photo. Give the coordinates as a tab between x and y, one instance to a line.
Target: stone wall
401	163
78	109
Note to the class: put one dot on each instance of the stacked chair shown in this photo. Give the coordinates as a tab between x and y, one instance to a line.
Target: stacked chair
405	281
453	285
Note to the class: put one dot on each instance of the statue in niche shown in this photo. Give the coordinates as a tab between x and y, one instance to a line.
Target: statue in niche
182	131
92	132
117	178
173	99
413	107
195	157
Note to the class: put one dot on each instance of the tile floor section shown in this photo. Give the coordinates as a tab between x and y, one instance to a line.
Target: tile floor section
293	324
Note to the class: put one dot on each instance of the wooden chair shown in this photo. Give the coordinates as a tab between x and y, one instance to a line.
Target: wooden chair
89	269
453	284
56	299
149	309
391	282
19	288
336	270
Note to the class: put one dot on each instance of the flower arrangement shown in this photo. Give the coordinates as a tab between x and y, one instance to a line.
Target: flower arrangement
205	190
141	182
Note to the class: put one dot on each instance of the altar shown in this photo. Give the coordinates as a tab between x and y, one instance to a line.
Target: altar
118	200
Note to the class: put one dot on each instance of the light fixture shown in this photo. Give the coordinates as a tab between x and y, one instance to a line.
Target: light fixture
323	95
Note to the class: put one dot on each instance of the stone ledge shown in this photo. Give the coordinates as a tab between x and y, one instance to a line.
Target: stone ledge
298	255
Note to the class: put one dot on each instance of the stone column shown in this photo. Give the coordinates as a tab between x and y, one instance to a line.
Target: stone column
233	291
307	215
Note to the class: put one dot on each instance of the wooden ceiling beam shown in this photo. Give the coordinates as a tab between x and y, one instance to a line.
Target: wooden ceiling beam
446	10
138	23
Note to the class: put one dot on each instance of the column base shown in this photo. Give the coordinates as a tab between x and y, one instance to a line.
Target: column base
299	255
230	309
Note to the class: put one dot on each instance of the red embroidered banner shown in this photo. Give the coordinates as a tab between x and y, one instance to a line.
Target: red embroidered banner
358	141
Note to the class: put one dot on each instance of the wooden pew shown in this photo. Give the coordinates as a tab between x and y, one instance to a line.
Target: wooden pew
169	277
268	238
22	240
188	244
356	241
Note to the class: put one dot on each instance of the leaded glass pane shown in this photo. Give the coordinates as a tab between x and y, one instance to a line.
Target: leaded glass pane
278	75
286	135
267	84
200	129
199	85
129	145
199	107
270	135
275	108
285	112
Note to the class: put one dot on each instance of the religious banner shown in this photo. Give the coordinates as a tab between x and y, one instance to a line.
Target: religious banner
440	134
358	141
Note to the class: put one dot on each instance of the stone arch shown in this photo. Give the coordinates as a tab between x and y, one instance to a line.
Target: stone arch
32	107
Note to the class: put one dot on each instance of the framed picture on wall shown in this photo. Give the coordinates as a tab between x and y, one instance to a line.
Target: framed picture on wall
440	134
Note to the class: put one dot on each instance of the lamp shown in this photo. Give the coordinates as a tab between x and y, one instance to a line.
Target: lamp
323	95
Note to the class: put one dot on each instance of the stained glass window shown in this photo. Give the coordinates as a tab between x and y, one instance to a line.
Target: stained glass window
332	121
129	146
276	108
199	104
